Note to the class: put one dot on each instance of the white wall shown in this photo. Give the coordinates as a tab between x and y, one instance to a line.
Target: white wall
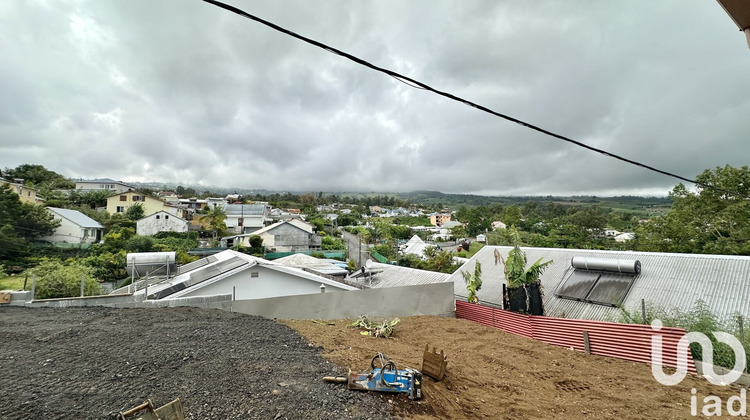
269	283
151	225
70	233
426	299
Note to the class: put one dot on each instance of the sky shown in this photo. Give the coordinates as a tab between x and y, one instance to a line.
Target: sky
185	92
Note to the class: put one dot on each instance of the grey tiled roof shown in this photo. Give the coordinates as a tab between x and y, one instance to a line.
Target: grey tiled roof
76	217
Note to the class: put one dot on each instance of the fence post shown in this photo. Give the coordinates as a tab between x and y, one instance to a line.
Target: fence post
26	279
33	286
132	277
643	311
83	282
586	344
146	294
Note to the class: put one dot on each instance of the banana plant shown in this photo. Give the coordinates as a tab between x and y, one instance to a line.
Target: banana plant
473	282
516	272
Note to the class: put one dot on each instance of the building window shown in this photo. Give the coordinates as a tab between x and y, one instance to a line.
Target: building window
166	216
123	198
120	209
254	274
139	198
157	217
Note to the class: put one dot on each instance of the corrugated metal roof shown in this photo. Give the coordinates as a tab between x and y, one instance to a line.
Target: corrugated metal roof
245	209
387	275
415	246
312	263
76	217
668	281
221	265
293	222
101	180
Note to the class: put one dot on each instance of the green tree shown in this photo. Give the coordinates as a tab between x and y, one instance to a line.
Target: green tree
135	212
28	221
330	243
256	245
707	220
590	220
442	262
39	176
512	216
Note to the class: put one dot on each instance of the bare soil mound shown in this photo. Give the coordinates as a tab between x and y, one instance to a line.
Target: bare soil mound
492	374
91	363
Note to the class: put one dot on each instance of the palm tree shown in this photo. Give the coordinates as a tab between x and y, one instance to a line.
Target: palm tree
215	220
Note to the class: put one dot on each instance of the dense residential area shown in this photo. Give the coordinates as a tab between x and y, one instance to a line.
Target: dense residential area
91	225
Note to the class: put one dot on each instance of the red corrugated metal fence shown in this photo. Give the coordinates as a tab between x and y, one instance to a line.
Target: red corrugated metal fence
623	341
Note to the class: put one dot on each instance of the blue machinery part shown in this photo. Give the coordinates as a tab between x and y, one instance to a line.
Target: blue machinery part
386	378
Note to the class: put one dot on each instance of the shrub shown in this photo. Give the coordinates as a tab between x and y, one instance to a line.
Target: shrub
55	279
699	319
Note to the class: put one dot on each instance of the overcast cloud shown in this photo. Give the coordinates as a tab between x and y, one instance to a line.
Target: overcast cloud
186	92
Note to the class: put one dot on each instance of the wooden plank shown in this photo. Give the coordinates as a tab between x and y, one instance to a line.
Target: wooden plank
586	344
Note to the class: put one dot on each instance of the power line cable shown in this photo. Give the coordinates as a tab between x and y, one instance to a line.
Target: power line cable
417	84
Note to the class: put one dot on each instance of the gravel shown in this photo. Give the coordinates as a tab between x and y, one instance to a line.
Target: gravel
92	363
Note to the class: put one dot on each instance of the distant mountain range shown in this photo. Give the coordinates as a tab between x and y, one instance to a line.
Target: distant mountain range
426	197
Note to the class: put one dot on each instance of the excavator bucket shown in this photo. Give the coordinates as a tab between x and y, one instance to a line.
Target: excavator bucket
146	411
434	364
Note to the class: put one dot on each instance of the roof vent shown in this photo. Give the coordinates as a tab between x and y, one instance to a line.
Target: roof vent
605	264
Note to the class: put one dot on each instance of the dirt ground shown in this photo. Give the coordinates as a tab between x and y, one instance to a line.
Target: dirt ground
495	375
91	363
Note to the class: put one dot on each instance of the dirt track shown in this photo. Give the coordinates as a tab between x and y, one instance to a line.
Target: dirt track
94	362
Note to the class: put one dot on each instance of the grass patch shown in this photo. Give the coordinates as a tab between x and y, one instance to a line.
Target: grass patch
474	247
13	282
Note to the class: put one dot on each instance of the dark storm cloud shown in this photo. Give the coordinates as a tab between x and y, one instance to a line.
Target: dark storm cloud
187	92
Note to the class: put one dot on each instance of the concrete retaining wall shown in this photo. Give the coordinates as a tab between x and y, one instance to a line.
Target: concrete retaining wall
429	299
704	369
122	301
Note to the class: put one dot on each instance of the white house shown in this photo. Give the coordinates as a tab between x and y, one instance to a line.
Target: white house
286	236
75	228
106	184
611	233
161	221
498	225
625	236
246	218
241	275
415	246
